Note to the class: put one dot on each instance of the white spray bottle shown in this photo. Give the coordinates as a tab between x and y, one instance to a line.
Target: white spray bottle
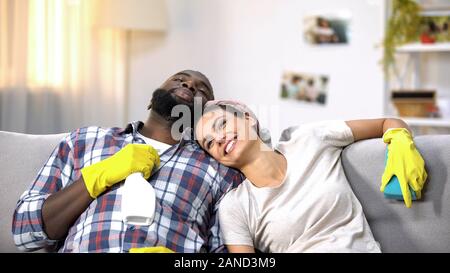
138	200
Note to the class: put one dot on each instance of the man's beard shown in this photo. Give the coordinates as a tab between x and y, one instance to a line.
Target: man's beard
163	102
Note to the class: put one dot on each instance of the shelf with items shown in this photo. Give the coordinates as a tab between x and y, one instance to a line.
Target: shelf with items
412	63
413	52
422	124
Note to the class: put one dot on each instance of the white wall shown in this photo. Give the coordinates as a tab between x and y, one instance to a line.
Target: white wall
244	47
190	43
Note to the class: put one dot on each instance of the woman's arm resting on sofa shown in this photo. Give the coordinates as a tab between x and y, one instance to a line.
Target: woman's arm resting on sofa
374	128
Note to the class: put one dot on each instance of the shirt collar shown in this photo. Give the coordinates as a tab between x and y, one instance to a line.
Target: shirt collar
133	128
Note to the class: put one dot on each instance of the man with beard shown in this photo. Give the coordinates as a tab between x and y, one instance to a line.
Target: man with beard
74	204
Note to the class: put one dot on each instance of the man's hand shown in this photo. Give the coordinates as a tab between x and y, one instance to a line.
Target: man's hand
405	162
131	159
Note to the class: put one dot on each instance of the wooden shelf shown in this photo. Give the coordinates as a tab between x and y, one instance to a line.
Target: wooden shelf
419	47
443	10
428	122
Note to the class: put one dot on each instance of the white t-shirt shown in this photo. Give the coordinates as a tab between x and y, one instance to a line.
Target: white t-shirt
312	210
159	146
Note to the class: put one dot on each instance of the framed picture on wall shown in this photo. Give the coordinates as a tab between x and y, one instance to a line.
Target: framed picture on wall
327	28
310	88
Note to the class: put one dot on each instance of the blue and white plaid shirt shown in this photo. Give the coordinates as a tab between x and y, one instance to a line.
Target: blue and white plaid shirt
188	184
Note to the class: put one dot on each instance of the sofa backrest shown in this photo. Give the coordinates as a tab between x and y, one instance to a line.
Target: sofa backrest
21	158
425	227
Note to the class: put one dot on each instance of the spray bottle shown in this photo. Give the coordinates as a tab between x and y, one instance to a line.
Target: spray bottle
138	200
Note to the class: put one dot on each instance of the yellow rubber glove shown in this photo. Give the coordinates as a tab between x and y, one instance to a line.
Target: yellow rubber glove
405	162
153	249
130	159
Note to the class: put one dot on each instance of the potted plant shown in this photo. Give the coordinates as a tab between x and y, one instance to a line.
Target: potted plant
403	27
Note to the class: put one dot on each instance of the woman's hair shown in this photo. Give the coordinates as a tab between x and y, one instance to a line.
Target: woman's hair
240	110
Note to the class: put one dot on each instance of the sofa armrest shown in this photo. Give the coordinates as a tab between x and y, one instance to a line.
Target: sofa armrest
21	158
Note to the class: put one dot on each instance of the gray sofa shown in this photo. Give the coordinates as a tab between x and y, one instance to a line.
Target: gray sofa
423	228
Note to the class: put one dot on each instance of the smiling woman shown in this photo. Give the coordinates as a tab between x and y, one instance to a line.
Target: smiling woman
228	129
296	197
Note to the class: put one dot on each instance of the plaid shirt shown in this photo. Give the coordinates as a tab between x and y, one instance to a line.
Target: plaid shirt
188	183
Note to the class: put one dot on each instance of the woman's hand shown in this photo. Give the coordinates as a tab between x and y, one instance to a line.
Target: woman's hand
405	162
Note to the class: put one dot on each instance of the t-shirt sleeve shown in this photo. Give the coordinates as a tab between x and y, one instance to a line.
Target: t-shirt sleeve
332	132
335	132
233	223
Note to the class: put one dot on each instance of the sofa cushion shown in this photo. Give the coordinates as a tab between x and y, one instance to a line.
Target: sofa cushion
425	227
21	158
